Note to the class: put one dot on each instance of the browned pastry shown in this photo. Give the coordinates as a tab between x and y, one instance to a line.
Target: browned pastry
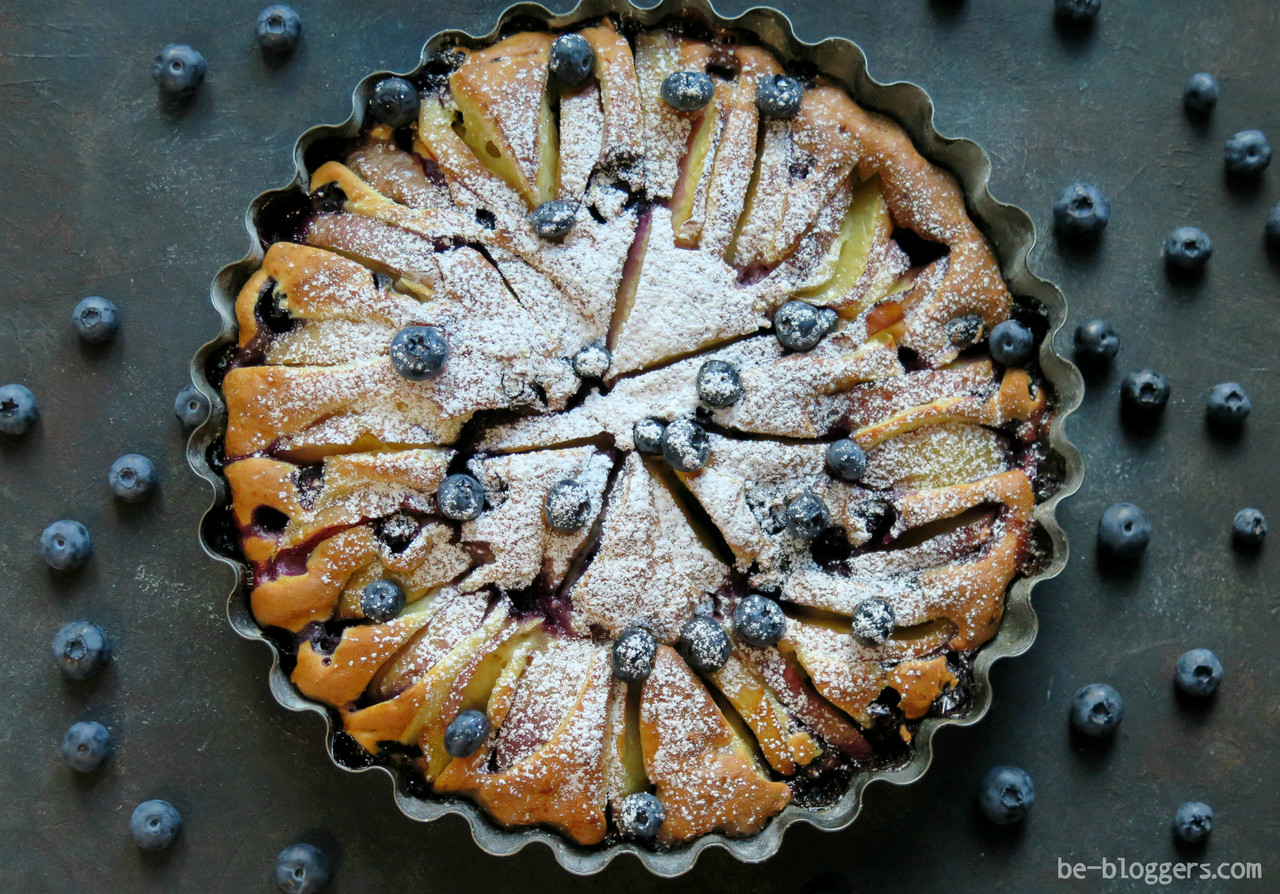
690	230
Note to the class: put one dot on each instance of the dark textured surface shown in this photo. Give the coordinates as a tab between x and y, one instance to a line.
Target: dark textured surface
109	192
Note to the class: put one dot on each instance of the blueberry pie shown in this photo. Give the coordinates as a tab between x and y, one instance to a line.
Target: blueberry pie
615	441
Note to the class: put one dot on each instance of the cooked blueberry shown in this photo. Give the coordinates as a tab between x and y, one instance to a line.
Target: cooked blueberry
1096	341
132	477
846	459
86	745
572	59
567	505
191	406
394	102
1201	93
1077	10
1123	531
1188	248
719	384
685	445
1006	794
806	516
1144	391
1248	153
96	319
81	649
278	29
1228	405
178	69
759	621
1081	210
466	733
1012	344
592	361
704	645
647	433
553	218
1193	821
640	816
18	409
1096	710
65	545
1249	527
460	497
778	96
800	326
1271	229
873	621
381	600
419	352
1198	672
967	331
633	654
154	825
687	91
302	869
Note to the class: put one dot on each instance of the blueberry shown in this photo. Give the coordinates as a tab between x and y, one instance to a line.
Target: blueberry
1081	211
1012	344
419	352
1198	672
640	816
1144	391
381	600
1193	821
18	409
1077	10
846	459
592	361
178	69
1096	710
460	497
778	96
685	445
1247	154
633	654
554	218
302	869
1123	531
687	91
1096	341
466	733
704	645
154	825
1228	405
65	545
1006	794
86	745
1271	229
719	384
394	102
96	319
572	59
1249	527
81	650
800	326
567	505
806	516
278	29
967	331
647	433
759	621
132	477
1201	93
191	407
1188	248
873	621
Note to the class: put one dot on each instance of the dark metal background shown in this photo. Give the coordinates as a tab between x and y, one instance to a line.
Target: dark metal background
107	191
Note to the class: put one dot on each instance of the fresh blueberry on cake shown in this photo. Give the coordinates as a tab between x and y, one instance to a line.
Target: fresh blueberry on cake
1006	795
1201	93
1249	528
178	70
605	449
86	745
1193	821
1198	673
19	410
1096	710
95	319
154	825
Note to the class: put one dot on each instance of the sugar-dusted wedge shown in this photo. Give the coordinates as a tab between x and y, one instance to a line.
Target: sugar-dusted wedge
701	766
666	131
621	137
399	175
785	744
